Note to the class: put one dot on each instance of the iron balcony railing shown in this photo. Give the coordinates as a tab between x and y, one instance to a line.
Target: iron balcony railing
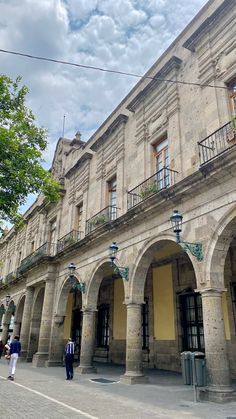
216	143
163	179
47	249
71	238
107	214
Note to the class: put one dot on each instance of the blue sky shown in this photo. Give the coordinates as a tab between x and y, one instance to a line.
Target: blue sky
126	35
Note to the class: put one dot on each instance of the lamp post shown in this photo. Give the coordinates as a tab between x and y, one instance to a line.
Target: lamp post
75	282
121	270
194	248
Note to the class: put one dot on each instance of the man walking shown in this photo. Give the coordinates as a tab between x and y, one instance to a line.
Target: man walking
69	359
15	348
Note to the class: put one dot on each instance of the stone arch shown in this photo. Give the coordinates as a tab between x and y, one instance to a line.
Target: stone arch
18	316
143	261
218	247
102	269
35	323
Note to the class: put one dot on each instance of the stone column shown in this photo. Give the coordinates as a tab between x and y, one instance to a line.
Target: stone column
87	342
219	384
26	320
16	329
57	345
41	356
5	332
134	372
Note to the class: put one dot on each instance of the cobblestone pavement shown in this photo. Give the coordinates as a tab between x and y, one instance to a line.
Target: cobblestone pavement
44	393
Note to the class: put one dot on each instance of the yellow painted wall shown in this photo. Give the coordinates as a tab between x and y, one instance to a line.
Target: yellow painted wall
67	322
163	303
226	316
119	314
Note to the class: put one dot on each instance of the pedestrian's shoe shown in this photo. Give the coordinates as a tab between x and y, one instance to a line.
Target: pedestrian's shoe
9	377
67	378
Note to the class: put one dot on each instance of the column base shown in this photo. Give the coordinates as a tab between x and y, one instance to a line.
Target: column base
86	370
221	394
40	359
51	363
23	356
132	378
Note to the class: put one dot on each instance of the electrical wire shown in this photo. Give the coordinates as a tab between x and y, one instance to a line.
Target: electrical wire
106	70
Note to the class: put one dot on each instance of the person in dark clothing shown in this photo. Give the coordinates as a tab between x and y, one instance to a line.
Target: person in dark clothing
1	348
15	348
69	359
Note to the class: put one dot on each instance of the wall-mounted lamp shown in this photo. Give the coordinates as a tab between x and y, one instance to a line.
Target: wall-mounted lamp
121	270
194	248
8	297
75	282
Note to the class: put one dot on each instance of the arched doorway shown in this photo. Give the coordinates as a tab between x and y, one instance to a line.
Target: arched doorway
18	317
164	284
104	319
35	324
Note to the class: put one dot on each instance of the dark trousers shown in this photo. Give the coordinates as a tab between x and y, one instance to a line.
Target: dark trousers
69	359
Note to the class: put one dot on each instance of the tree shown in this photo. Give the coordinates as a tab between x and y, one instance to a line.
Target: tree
21	147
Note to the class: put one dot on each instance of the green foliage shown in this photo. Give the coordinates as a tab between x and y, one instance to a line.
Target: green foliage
21	147
148	190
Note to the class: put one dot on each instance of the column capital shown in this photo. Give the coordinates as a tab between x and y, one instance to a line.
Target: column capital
86	310
130	304
210	292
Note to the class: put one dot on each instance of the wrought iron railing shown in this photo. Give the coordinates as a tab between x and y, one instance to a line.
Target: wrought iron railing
47	249
216	143
107	214
71	238
163	179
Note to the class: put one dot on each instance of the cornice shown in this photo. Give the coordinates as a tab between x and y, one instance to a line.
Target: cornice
86	156
121	119
191	42
173	63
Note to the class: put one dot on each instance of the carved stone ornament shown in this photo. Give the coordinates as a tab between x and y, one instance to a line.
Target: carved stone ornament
58	319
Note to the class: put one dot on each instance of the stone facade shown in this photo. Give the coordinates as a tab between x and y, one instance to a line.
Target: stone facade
169	145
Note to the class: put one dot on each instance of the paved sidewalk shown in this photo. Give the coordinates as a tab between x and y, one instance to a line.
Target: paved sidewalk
44	393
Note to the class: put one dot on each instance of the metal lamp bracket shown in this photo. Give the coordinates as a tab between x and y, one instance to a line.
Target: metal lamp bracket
194	248
122	271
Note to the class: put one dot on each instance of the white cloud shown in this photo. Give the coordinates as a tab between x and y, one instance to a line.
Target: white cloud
126	35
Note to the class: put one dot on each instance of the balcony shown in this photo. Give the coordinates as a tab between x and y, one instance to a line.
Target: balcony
106	215
71	238
10	277
163	179
47	249
217	143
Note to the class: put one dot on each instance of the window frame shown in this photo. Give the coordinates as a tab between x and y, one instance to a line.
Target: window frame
189	324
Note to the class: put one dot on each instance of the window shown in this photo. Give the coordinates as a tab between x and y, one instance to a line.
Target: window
19	258
53	226
112	195
191	321
103	326
79	212
232	96
145	325
161	153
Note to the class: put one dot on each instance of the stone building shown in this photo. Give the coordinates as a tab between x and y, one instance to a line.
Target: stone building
169	145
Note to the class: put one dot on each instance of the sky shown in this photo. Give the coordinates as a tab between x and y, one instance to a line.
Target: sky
124	35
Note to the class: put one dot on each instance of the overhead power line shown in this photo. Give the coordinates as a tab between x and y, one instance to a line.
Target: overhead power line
106	70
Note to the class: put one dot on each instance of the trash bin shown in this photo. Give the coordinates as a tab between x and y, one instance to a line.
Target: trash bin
199	369
186	365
